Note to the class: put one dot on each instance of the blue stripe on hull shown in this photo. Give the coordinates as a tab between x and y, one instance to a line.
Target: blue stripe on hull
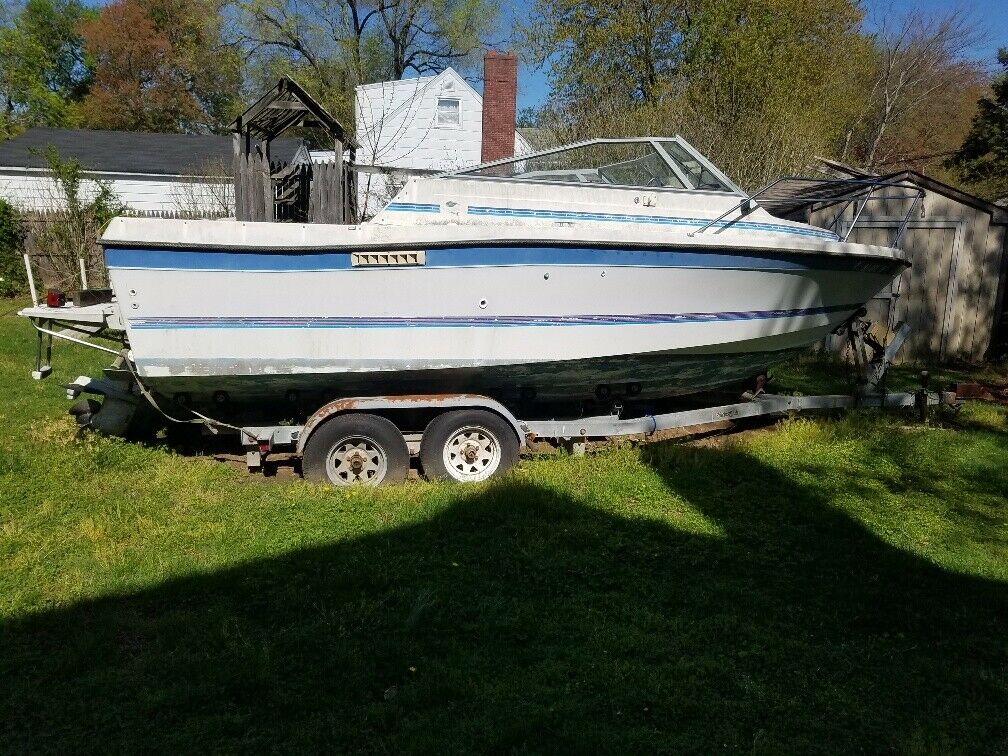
578	215
477	322
290	261
663	220
413	207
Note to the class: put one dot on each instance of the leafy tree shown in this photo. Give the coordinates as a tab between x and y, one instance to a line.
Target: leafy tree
628	50
43	73
762	88
767	86
982	160
160	65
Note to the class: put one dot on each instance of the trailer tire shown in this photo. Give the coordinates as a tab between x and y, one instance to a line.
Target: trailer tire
356	449
467	446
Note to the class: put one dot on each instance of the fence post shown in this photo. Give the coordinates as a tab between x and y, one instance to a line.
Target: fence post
237	165
31	280
339	200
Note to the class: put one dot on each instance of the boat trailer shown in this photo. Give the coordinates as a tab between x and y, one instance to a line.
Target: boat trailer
477	436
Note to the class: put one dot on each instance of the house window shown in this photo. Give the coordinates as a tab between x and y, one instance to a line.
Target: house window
448	114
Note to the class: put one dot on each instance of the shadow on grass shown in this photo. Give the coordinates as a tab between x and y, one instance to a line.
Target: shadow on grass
523	620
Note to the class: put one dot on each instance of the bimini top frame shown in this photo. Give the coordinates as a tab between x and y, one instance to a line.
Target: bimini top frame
683	161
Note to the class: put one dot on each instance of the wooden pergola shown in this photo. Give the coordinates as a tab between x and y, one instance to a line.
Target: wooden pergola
266	191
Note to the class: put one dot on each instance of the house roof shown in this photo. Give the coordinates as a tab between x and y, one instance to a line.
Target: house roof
128	151
836	168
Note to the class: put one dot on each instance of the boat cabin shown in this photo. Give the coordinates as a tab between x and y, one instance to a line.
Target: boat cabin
641	180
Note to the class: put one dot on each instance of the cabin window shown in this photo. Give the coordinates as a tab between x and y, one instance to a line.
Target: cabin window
641	162
698	174
449	113
617	164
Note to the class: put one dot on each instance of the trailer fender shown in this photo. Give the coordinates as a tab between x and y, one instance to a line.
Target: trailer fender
407	401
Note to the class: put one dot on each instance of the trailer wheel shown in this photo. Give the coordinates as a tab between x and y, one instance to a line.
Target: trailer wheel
356	449
467	446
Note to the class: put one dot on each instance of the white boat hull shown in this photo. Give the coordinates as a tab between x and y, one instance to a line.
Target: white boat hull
513	321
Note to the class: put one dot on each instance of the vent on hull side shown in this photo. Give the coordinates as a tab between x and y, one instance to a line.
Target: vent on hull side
374	259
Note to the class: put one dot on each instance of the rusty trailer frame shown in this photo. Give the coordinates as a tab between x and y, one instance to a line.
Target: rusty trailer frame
260	441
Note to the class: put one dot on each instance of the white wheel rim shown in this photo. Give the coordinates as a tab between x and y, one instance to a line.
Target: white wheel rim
471	454
356	461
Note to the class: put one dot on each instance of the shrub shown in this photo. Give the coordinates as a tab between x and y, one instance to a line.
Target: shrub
12	272
69	231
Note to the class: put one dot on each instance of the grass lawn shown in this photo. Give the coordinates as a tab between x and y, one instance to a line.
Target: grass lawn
825	585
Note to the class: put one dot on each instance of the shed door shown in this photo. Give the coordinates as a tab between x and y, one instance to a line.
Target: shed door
925	291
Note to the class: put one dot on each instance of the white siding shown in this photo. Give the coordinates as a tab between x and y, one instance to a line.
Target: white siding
397	127
36	191
397	123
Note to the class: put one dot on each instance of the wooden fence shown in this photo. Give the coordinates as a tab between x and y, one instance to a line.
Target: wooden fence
302	193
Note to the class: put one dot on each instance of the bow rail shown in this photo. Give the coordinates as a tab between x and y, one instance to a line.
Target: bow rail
790	193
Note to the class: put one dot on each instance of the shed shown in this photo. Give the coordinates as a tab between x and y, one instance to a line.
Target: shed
954	294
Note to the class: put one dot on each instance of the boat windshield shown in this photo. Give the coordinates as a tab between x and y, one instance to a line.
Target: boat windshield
666	163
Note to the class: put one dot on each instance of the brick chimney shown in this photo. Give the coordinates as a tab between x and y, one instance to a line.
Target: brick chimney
500	86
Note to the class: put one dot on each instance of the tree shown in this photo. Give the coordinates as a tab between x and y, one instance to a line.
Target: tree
920	91
68	234
761	88
767	87
160	65
628	50
331	46
43	73
425	36
12	272
982	160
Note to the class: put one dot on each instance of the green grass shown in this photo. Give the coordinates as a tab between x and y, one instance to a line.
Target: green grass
827	585
822	372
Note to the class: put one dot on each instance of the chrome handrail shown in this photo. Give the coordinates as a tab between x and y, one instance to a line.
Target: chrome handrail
867	187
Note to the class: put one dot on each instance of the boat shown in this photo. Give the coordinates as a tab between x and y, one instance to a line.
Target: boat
604	269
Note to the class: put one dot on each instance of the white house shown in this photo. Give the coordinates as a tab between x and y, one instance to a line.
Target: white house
149	173
430	123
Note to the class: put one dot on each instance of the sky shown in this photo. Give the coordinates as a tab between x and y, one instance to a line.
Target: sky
990	16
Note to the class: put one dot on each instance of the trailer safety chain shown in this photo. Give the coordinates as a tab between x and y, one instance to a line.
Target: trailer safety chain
81	342
210	423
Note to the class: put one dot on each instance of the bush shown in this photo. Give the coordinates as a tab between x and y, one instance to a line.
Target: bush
12	272
69	231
